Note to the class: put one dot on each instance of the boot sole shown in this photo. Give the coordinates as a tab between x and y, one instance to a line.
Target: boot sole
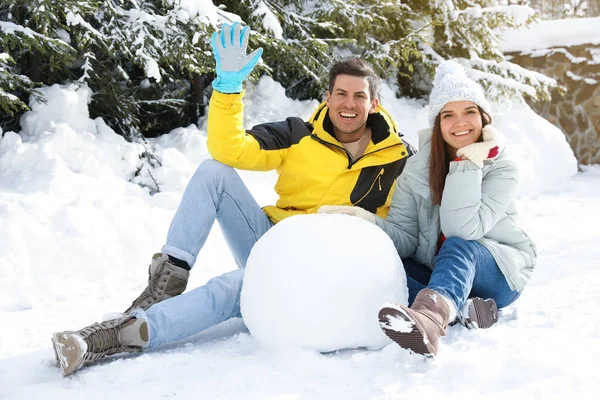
482	314
413	340
68	352
55	353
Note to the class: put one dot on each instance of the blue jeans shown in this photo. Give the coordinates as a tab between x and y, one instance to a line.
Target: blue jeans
463	269
215	192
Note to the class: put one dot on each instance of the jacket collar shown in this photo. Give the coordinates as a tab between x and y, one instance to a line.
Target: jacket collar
419	163
383	128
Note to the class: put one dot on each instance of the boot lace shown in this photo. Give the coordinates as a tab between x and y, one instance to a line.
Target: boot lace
153	290
102	338
152	293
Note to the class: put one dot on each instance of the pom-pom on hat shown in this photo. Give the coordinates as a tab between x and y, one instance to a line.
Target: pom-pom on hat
451	83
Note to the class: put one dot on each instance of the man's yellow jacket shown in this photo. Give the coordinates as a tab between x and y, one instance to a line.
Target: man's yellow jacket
314	168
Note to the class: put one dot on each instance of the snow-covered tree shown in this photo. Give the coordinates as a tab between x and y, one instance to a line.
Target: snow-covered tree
149	61
139	57
577	8
557	9
303	38
35	48
403	39
11	82
142	60
470	31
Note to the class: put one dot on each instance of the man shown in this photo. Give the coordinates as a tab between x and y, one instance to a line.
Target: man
348	154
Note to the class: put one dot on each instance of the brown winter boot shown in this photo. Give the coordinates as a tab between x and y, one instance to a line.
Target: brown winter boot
165	280
74	350
479	313
419	327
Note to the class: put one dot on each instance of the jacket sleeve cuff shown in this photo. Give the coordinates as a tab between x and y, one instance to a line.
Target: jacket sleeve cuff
462	165
226	99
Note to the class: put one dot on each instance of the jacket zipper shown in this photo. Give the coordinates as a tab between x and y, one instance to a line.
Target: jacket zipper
377	180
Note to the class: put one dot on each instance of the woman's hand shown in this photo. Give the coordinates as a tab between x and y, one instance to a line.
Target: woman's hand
493	143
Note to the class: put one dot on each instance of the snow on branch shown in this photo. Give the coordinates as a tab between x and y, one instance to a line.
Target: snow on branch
510	77
10	28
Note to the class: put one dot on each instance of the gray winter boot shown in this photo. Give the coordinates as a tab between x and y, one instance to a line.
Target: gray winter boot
74	350
419	327
165	280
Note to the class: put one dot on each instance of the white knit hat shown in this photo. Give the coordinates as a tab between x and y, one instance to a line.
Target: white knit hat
451	83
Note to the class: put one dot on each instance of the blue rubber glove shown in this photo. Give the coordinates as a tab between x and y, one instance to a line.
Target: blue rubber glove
233	65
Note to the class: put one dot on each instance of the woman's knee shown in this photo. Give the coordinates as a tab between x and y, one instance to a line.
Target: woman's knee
455	243
507	299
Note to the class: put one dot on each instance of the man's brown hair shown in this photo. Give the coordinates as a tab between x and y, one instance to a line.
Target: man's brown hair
355	67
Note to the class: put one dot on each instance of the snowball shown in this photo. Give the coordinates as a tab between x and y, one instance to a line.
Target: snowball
318	281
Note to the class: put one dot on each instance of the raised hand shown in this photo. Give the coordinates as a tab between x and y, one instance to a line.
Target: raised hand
233	65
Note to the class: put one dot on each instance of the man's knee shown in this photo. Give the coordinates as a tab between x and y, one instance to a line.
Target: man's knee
212	167
228	283
212	171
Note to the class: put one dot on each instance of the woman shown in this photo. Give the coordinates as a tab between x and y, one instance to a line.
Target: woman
453	220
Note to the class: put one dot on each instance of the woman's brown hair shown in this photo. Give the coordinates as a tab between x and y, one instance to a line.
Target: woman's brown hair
439	161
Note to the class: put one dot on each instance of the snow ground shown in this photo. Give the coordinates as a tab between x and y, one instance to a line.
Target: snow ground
543	348
76	239
546	34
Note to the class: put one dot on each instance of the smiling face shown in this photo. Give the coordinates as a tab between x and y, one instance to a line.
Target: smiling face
460	123
349	105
